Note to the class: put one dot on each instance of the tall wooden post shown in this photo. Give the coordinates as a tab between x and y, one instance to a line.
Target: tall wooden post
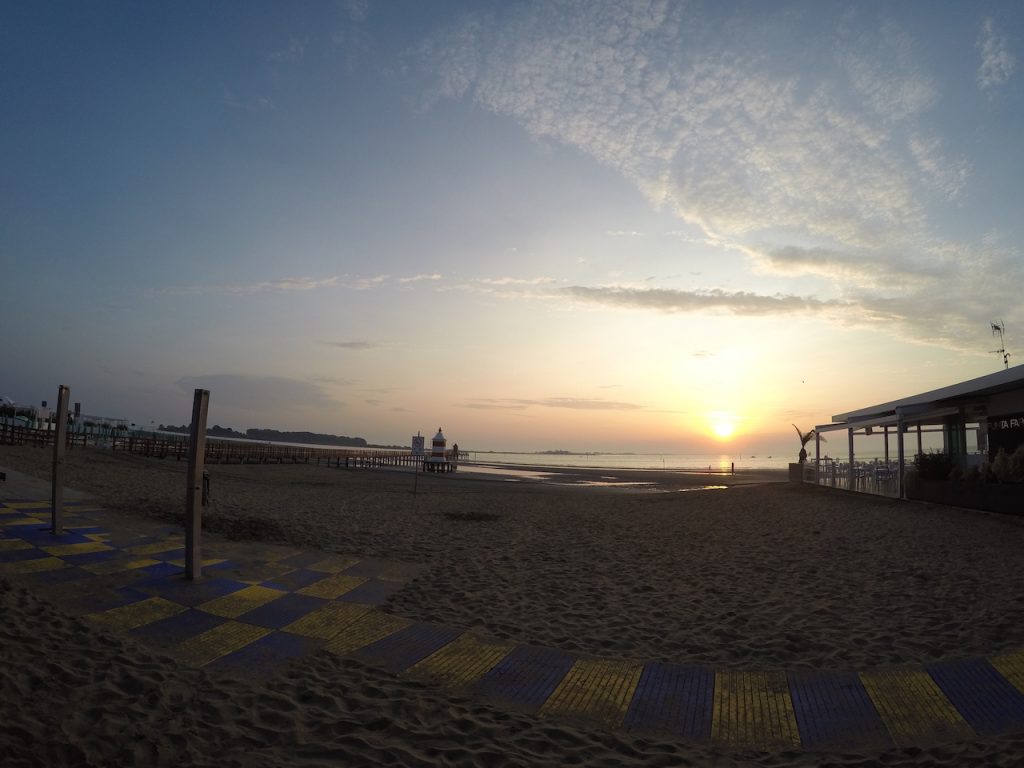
60	437
194	500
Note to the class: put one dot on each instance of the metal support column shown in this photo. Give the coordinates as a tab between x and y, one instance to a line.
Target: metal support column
901	427
852	479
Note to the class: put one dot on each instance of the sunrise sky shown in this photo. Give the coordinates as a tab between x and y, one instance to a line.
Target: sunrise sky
637	226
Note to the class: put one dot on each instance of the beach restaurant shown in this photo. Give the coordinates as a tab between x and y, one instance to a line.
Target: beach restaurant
965	424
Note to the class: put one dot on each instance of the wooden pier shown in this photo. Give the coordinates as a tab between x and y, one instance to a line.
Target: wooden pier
239	452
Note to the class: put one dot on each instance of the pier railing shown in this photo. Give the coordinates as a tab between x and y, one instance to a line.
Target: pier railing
233	452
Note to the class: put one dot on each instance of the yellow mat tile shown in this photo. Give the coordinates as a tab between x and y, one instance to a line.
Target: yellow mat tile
370	628
332	587
1011	666
913	707
25	521
160	546
37	565
334	564
328	621
753	710
595	689
117	566
463	661
219	641
137	614
9	545
244	600
76	549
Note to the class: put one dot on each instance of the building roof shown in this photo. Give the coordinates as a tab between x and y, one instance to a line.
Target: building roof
938	399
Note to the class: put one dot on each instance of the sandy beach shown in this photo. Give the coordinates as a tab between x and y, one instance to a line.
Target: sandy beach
757	575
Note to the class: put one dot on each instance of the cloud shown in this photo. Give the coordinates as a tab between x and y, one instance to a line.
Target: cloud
515	280
368	283
420	278
263	394
671	300
734	145
997	62
353	345
570	403
623	233
864	268
945	175
283	285
822	161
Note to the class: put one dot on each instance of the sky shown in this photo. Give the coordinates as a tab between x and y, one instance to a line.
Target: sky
592	226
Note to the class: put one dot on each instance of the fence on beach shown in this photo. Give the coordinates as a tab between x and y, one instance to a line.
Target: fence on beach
15	434
231	451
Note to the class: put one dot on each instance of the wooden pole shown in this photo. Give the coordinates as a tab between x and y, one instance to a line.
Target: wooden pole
194	500
60	436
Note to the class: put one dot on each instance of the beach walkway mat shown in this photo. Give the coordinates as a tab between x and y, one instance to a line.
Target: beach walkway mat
675	699
261	606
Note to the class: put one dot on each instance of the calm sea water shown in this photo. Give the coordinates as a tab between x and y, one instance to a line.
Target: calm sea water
677	461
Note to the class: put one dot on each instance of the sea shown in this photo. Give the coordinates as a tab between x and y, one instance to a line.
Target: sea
714	462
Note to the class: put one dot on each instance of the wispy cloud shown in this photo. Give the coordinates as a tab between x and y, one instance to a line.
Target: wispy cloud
623	233
945	175
515	280
434	277
997	61
283	285
368	283
823	162
669	300
571	403
353	345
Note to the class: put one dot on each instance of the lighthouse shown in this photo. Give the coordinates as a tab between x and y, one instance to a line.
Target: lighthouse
438	461
437	446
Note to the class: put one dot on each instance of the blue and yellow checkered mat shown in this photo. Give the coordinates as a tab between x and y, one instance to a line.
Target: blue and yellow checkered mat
254	612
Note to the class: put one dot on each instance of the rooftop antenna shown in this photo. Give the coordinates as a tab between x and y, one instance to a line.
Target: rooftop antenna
997	330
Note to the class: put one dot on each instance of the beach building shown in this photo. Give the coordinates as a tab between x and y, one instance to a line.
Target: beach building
958	429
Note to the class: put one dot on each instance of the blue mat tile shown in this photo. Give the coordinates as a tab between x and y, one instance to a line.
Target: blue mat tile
294	580
180	627
399	651
283	611
93	557
264	657
673	698
526	677
372	592
988	701
834	711
160	569
188	592
17	555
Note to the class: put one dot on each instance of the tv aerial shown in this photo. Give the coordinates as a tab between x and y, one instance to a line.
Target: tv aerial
997	330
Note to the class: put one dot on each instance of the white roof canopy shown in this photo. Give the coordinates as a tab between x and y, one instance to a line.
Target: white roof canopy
930	405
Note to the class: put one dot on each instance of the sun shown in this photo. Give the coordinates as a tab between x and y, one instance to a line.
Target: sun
723	429
722	424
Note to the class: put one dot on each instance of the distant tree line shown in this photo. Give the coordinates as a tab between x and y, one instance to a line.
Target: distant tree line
273	435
